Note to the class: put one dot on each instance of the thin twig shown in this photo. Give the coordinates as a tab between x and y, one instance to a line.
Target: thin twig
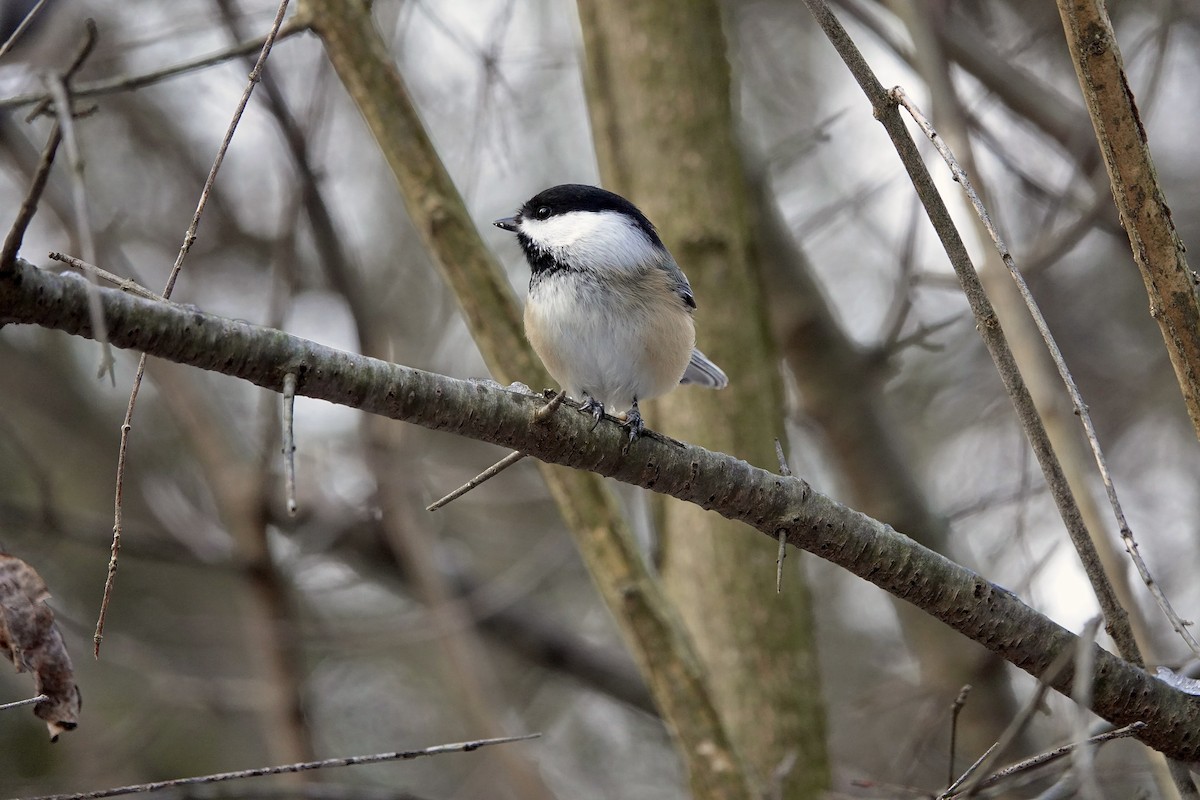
289	441
1042	759
902	304
20	29
123	83
785	471
1081	408
486	475
16	234
188	239
952	789
252	81
81	55
27	702
540	416
65	112
124	284
351	761
955	708
1018	724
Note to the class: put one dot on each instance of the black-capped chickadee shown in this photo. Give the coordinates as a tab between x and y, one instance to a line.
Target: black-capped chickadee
609	311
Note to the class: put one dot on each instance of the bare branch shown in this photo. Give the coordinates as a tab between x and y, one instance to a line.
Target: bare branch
26	702
16	234
955	709
289	440
1050	756
20	29
350	761
124	284
486	475
764	500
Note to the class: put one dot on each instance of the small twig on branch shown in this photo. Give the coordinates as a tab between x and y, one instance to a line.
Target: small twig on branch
785	471
188	239
953	788
486	475
545	411
921	335
124	284
1081	408
955	708
541	415
289	441
27	702
351	761
20	29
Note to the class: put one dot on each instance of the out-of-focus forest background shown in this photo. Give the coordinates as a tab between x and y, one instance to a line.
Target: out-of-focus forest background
240	636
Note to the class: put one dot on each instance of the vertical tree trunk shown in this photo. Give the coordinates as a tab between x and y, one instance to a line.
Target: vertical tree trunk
658	84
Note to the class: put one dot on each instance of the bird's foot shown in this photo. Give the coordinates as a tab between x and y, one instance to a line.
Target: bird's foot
594	407
634	425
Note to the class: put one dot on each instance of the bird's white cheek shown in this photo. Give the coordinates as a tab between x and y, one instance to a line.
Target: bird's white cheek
593	239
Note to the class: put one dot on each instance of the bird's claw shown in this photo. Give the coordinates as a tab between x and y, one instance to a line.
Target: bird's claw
634	425
595	408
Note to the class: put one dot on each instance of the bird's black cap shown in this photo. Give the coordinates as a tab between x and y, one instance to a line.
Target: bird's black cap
568	197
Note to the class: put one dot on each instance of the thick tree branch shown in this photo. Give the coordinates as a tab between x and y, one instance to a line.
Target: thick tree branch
770	503
1145	216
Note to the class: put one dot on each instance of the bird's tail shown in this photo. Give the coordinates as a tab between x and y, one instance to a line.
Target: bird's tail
703	372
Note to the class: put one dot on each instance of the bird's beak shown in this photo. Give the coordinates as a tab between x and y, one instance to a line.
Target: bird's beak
508	223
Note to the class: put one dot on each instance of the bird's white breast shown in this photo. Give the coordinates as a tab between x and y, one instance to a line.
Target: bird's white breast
613	338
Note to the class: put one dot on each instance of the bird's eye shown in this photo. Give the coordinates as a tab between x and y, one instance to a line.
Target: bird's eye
543	212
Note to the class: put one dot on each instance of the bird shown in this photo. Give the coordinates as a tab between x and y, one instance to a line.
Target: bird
609	312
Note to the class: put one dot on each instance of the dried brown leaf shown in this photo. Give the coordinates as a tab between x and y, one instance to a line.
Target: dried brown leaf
31	640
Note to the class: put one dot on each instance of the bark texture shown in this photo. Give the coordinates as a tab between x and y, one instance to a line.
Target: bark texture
1157	248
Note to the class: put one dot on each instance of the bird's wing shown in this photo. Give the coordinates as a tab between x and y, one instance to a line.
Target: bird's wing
679	282
703	372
